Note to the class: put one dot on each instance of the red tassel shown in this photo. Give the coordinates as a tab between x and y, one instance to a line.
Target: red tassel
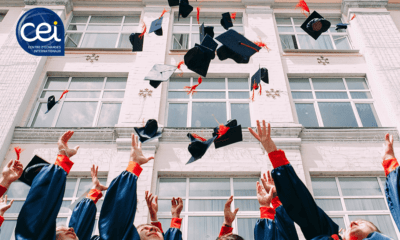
233	16
18	151
304	8
144	29
162	14
222	130
260	89
262	45
192	89
198	15
254	88
249	46
353	17
62	95
252	97
179	67
198	137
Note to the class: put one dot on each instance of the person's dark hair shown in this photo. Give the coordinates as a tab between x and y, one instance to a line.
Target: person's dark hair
230	237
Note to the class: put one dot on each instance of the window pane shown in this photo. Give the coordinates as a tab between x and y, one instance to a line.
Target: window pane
331	95
365	204
124	41
105	19
79	19
113	94
206	205
109	114
360	186
247	205
245	186
383	222
116	83
7	229
241	112
172	187
132	19
44	120
367	114
15	207
204	228
238	83
337	114
324	186
356	83
178	95
81	94
288	41
181	19
341	42
283	21
64	207
177	114
18	190
129	29
181	28
178	83
167	221
246	227
99	40
202	113
61	222
70	187
165	205
180	41
77	114
328	84
239	95
298	21
47	94
306	114
195	39
299	30
307	42
202	187
361	95
299	84
302	95
73	39
99	204
211	83
84	185
86	83
56	83
285	29
107	28
209	95
329	204
212	20
339	221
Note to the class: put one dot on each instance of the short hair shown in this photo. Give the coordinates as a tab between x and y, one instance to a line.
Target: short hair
373	225
147	224
230	237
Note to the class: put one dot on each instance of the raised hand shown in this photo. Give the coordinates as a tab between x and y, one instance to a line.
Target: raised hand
11	172
229	216
268	183
264	136
153	206
177	206
63	148
388	147
3	205
136	152
264	198
95	179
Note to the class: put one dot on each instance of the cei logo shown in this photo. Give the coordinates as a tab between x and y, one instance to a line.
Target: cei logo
40	32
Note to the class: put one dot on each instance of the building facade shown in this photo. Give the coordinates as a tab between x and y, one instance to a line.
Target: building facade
330	102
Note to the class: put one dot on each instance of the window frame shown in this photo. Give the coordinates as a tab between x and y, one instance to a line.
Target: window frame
353	101
189	101
3	14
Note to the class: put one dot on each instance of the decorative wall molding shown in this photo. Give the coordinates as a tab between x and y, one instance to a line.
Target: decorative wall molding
67	3
346	4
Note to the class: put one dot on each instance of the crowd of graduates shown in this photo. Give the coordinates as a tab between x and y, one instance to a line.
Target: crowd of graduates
283	198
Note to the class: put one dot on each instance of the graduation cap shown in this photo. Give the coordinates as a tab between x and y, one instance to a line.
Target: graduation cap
32	169
51	101
206	31
198	146
315	25
208	45
341	26
198	60
226	20
261	74
227	134
160	73
236	46
156	27
149	131
172	3
137	42
184	9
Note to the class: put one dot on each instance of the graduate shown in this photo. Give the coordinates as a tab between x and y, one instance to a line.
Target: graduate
229	217
37	218
300	205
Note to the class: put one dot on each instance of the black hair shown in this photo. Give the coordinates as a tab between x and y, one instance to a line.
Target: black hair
230	237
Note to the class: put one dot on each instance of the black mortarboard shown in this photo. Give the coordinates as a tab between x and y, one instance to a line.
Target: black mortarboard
341	26
315	25
208	45
51	101
149	131
241	48
198	146
156	27
198	60
233	135
261	74
173	3
137	42
160	73
226	20
184	8
32	169
206	30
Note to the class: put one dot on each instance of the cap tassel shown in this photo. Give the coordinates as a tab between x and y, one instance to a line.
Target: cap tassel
233	16
144	29
179	67
198	137
249	46
198	15
62	95
353	17
254	88
262	45
163	12
192	89
222	129
18	151
304	8
260	88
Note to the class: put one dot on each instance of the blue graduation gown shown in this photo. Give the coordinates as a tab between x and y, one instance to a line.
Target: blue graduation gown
83	218
392	192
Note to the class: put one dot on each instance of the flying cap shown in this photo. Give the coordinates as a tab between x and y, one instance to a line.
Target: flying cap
315	25
184	9
149	131
198	146
226	20
32	169
172	3
137	42
51	101
198	60
206	31
160	73
156	27
208	45
341	26
261	74
227	134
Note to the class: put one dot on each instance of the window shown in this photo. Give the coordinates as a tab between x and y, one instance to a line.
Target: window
346	199
2	15
186	30
333	102
18	191
90	102
204	200
223	97
293	37
101	31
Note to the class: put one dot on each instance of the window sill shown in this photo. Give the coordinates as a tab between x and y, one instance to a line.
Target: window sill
296	52
69	50
178	51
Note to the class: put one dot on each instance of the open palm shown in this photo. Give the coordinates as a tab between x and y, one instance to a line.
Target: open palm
95	180
388	147
3	205
63	145
136	152
264	136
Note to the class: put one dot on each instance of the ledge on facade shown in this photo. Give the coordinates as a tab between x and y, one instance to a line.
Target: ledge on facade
318	51
70	50
347	134
178	51
316	172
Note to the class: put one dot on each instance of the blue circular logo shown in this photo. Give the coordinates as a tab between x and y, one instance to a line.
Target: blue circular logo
40	32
